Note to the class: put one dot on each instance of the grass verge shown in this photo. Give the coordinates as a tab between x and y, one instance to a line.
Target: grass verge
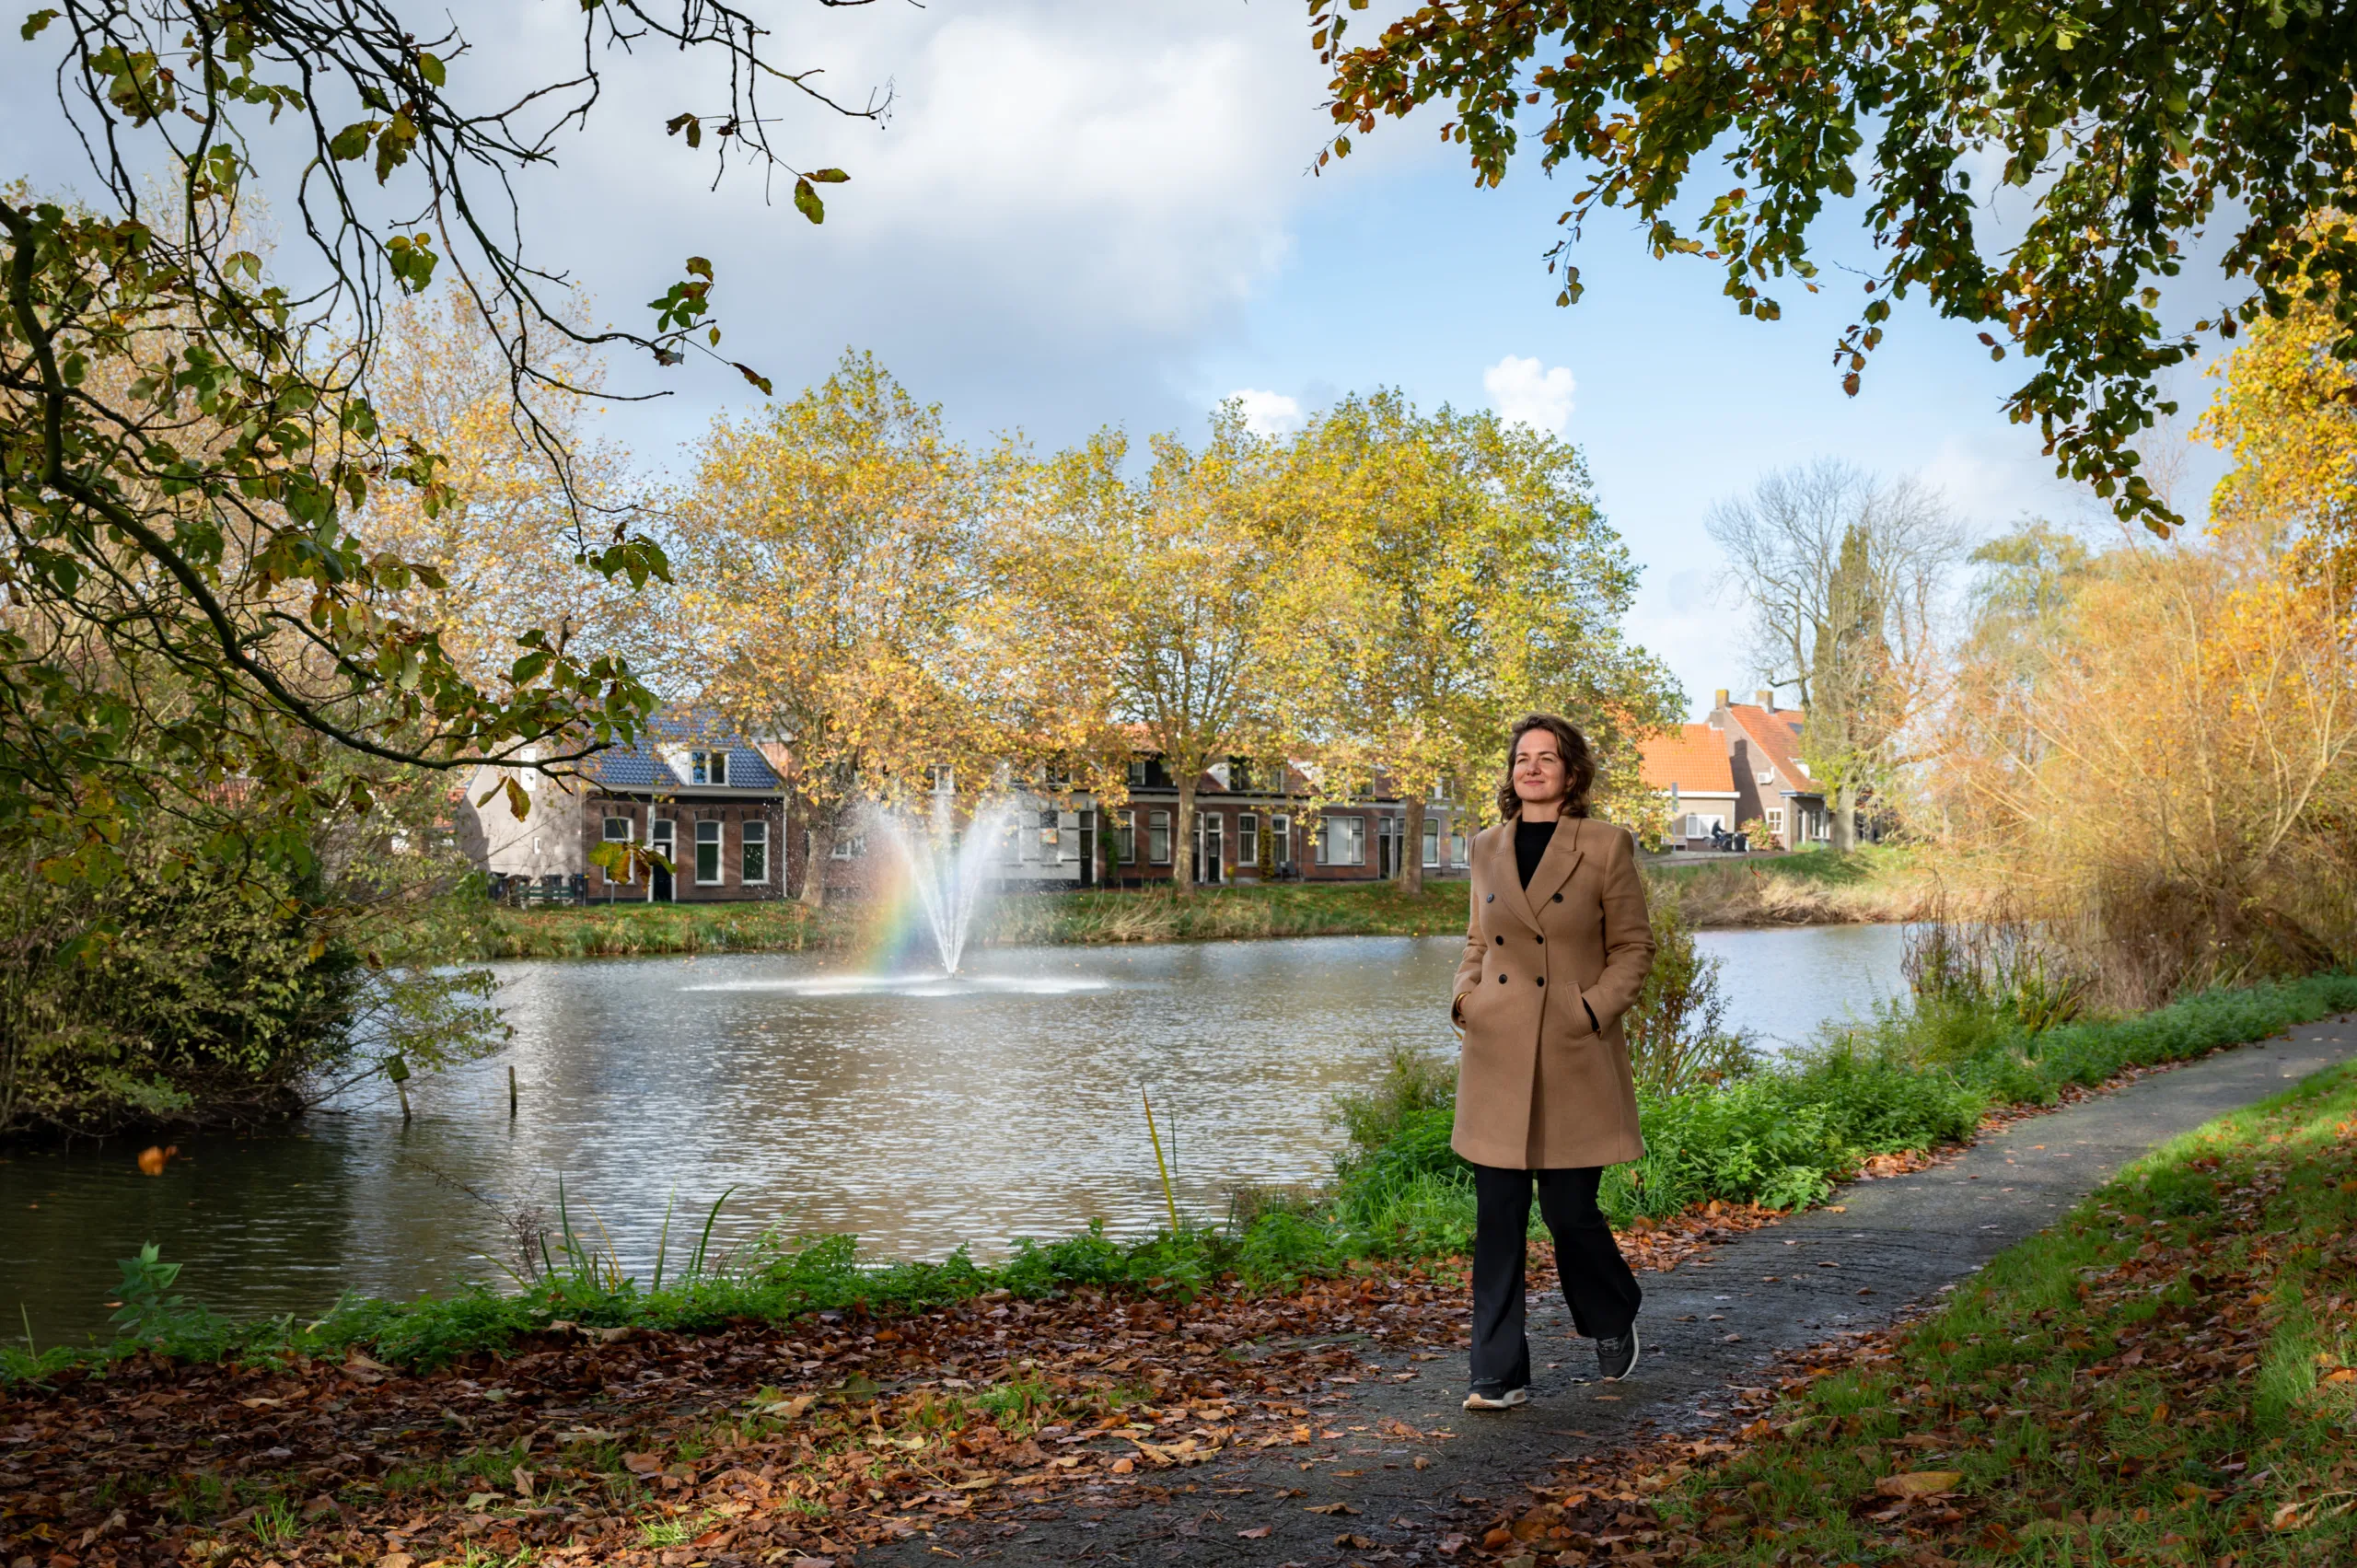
1813	888
634	930
1912	1080
2169	1375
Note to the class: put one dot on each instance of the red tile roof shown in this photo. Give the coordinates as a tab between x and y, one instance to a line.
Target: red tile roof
1776	736
1693	756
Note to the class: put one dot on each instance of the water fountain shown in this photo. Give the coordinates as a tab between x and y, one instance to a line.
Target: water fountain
949	872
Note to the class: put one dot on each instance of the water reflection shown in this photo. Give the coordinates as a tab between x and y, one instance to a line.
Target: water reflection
920	1111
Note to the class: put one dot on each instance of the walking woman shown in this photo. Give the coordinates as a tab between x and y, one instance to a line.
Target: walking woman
1558	946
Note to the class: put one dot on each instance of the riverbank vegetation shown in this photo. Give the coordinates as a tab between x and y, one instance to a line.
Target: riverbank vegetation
1724	1139
1814	887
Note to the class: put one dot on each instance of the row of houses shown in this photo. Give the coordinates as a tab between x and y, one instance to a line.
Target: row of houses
715	809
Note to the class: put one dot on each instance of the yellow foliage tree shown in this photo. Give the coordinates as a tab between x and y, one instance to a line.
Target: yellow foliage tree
829	567
2288	413
1163	605
2171	784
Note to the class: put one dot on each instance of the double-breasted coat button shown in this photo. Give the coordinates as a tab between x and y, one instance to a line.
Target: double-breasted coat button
1542	941
1502	979
1492	898
1558	898
1502	941
1542	979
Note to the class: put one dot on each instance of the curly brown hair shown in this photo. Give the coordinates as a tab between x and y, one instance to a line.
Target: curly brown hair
1579	762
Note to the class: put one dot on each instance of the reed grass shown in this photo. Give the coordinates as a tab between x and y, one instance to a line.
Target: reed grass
1872	884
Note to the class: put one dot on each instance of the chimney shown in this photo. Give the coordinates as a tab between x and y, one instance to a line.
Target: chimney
1719	698
1766	700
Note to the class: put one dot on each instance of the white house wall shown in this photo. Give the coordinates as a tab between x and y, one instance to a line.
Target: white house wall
545	843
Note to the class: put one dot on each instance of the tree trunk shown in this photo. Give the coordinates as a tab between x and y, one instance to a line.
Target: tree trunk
814	864
1182	848
1845	818
1411	874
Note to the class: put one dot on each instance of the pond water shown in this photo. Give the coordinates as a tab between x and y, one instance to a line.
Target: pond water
919	1113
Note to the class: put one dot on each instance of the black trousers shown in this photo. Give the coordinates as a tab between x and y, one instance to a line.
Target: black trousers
1603	1293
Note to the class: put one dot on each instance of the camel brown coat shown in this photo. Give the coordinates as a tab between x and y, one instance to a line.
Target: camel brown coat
1538	1087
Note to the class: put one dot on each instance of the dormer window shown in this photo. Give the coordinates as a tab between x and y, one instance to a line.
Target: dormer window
708	767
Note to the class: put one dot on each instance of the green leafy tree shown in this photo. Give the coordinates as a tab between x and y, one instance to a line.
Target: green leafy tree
1475	581
2131	131
187	442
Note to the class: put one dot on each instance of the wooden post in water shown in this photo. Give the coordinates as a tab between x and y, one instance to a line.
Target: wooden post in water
511	1091
402	1088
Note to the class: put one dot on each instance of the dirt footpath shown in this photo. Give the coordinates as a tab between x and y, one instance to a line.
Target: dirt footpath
1402	1467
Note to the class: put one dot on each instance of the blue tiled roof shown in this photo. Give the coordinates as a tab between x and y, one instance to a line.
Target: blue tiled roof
639	767
634	769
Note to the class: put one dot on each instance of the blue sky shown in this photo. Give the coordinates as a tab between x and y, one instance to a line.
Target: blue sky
1082	214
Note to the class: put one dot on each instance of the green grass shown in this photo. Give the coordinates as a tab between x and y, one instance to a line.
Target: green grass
2163	1377
1094	916
634	930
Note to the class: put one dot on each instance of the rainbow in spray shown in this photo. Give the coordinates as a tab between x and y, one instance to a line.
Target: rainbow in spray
945	876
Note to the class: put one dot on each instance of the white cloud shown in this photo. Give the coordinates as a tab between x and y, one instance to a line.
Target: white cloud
1267	413
1524	392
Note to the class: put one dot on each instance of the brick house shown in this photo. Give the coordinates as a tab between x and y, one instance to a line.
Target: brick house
1250	827
1740	765
692	791
716	803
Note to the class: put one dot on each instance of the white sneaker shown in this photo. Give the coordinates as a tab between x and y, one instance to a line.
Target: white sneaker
1492	1396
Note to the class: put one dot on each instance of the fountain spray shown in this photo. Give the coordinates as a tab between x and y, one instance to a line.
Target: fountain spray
950	872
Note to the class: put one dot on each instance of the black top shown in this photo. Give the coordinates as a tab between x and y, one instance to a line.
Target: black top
1530	841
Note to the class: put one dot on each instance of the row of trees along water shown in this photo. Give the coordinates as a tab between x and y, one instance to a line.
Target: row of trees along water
1382	591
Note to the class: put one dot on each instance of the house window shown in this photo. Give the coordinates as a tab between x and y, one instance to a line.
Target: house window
1281	837
707	852
1341	840
1137	772
708	767
1049	835
1125	838
1010	843
1432	843
618	830
848	846
941	780
1248	839
754	867
1158	837
1055	778
1456	847
1775	821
